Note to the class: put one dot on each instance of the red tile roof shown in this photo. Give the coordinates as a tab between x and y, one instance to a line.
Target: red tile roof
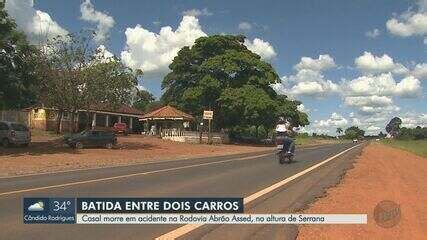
126	110
167	112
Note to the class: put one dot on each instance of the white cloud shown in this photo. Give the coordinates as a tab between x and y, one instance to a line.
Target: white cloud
37	25
420	71
197	12
103	55
323	62
373	33
371	130
153	52
328	126
309	80
245	26
302	108
313	89
409	87
373	101
382	85
103	21
410	23
373	94
356	121
369	63
412	120
261	47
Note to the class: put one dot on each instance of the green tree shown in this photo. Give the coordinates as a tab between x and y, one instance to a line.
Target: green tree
339	131
393	126
17	81
77	76
354	132
154	105
220	73
142	100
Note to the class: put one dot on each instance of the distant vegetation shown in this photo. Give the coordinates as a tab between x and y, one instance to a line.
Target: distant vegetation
418	147
354	132
395	130
409	139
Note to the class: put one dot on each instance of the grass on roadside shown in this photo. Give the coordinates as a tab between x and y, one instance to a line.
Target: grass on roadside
418	147
314	141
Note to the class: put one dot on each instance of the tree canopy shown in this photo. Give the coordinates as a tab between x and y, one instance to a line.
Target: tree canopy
76	76
354	132
219	73
143	100
393	126
17	82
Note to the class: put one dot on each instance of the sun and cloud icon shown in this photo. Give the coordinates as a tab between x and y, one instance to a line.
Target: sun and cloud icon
38	206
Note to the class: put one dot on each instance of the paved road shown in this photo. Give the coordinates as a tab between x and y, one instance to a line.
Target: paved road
228	176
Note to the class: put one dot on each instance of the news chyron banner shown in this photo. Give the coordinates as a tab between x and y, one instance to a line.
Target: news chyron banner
163	211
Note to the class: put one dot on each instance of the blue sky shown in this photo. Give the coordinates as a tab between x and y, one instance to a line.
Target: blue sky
391	45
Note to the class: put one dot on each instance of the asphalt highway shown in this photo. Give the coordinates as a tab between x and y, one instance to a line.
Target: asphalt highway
228	176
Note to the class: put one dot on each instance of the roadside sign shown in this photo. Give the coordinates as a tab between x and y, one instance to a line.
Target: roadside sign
208	115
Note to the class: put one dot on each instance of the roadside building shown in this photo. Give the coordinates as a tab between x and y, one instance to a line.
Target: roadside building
167	121
101	118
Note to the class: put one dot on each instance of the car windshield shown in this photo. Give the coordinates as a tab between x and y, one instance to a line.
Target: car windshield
19	127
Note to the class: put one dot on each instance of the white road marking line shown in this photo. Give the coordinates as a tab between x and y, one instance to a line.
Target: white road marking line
132	175
190	227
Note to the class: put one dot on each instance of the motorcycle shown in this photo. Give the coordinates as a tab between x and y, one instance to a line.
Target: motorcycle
285	150
285	157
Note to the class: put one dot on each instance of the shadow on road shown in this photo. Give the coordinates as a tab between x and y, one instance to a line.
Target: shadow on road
57	146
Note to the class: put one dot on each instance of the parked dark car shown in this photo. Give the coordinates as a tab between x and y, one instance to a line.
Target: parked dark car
12	133
120	128
92	138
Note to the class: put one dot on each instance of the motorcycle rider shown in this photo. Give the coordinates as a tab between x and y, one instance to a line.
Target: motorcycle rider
284	141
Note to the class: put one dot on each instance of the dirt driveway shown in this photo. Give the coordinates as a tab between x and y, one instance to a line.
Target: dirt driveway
46	154
381	173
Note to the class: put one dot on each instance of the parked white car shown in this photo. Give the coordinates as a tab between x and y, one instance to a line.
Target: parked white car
355	140
13	133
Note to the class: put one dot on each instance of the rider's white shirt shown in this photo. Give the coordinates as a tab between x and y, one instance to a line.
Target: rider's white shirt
282	127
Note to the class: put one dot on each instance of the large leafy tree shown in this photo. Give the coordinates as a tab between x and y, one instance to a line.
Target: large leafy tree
17	81
143	99
354	132
393	126
220	73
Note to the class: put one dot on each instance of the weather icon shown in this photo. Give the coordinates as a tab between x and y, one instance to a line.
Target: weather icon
36	207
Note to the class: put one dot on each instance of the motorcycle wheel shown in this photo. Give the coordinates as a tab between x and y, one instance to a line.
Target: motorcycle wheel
282	160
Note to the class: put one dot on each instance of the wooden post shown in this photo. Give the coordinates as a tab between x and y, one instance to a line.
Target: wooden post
210	134
201	132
